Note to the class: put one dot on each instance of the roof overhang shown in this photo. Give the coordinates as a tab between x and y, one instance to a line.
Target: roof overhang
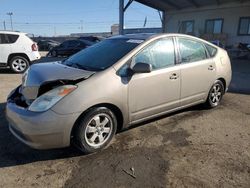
171	5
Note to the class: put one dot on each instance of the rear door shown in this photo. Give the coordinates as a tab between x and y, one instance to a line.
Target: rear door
158	91
5	49
198	71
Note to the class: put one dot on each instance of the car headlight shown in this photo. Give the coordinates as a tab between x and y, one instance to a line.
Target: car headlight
49	99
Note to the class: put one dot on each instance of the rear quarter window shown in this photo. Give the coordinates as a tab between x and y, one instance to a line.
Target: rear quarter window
211	50
191	50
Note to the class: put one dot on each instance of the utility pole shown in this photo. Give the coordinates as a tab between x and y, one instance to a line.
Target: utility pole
4	25
10	14
81	26
54	31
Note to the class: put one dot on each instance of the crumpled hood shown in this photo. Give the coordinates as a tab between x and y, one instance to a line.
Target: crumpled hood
41	73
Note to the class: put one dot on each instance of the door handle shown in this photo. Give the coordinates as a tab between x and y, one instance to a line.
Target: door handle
174	76
211	67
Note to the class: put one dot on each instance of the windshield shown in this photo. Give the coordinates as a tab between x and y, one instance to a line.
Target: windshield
89	43
102	55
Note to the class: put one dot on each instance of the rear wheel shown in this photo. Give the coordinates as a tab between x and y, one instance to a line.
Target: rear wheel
95	130
19	64
215	94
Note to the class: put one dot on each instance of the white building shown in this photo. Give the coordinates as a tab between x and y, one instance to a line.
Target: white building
224	20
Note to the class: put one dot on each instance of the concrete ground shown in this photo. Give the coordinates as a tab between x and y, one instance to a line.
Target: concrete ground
191	148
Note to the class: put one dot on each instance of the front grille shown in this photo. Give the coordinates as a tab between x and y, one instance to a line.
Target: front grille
17	98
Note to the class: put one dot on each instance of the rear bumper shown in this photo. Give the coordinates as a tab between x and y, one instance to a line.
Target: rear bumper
45	130
33	56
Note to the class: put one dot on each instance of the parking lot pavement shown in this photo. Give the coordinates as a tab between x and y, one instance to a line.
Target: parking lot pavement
191	148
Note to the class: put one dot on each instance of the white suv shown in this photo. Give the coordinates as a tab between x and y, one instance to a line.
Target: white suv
17	51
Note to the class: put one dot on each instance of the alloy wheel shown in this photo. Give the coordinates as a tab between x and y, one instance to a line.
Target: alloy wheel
216	94
19	65
98	130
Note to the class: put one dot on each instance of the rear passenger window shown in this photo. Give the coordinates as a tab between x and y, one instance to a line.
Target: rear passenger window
8	38
3	39
12	38
191	50
211	50
160	54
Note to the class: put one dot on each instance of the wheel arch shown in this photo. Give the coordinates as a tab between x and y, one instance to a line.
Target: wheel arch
17	54
116	110
224	83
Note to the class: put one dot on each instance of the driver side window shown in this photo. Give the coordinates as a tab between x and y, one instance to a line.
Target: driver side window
159	54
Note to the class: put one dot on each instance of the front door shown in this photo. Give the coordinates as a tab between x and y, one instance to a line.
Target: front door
158	91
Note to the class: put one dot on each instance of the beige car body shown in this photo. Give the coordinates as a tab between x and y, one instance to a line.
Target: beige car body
134	99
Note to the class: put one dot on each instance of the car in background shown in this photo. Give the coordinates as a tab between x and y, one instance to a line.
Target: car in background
69	48
91	38
47	45
18	51
118	82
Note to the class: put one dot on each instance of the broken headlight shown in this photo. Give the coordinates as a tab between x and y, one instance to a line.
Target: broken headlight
50	98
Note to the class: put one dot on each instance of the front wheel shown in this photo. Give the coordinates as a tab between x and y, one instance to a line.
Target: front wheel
215	94
95	130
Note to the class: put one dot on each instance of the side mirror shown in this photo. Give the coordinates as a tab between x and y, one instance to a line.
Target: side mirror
142	68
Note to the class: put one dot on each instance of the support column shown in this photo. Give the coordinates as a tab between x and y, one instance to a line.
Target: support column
164	22
121	17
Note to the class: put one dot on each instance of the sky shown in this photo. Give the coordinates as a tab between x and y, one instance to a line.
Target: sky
62	17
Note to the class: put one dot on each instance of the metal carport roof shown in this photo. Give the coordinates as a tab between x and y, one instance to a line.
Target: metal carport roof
168	5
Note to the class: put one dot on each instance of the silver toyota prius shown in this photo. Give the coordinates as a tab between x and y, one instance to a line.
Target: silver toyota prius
124	80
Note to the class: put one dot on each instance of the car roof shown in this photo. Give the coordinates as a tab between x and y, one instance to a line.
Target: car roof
139	36
12	32
146	36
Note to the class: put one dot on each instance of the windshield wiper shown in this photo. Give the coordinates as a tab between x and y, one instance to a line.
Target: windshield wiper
79	66
87	68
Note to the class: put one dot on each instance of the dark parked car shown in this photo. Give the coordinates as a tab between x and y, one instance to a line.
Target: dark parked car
46	45
69	48
91	38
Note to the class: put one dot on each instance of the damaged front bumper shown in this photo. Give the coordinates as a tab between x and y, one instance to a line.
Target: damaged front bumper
44	130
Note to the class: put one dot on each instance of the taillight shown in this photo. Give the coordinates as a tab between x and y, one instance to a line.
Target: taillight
34	47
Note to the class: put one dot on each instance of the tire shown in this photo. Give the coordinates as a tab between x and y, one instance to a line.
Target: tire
54	53
19	64
215	94
95	130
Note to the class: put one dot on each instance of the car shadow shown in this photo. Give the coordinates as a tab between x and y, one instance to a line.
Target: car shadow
240	77
14	153
4	70
240	83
